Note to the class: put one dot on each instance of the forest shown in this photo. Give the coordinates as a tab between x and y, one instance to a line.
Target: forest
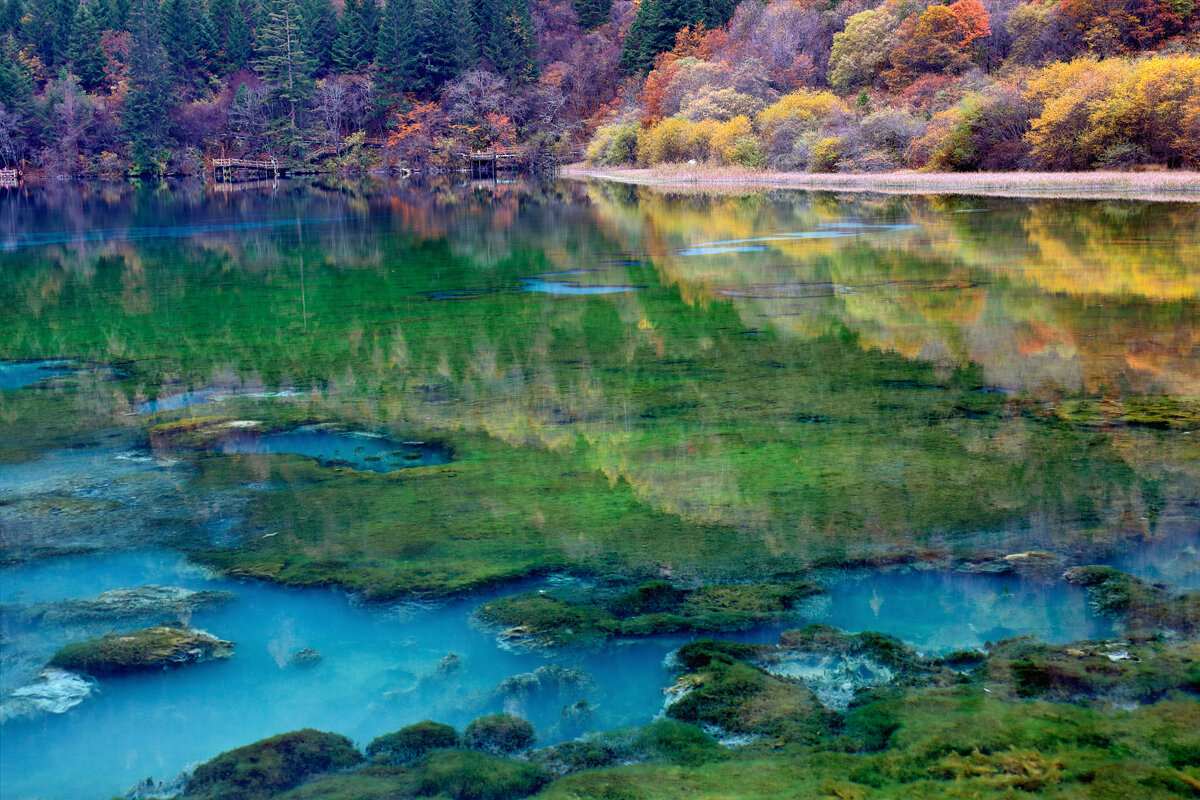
108	88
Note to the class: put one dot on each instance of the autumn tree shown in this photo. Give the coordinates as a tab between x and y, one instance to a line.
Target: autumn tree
860	51
942	39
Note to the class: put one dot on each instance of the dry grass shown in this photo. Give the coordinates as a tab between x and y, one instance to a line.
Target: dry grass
1162	185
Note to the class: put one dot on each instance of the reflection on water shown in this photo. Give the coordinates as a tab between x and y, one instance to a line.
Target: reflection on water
798	380
358	450
21	374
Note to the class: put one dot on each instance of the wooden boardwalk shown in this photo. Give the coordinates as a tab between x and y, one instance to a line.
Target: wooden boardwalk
487	161
226	169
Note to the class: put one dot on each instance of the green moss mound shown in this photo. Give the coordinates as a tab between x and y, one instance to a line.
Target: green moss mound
548	618
465	775
412	742
499	733
148	648
269	766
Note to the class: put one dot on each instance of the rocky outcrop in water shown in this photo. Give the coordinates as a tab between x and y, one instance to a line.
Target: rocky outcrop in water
1035	563
1144	609
54	692
142	601
549	681
148	648
307	657
150	789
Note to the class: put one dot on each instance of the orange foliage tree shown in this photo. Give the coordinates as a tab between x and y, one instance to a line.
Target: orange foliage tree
942	39
1111	27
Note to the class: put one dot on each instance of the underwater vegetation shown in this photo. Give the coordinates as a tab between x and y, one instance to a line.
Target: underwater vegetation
545	618
953	727
370	398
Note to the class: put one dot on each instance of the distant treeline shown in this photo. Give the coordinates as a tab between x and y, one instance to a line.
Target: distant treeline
109	87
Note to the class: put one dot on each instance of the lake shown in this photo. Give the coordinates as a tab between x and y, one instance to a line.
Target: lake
368	408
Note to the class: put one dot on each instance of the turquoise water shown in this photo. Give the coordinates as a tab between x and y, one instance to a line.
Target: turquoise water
21	374
626	383
357	450
379	670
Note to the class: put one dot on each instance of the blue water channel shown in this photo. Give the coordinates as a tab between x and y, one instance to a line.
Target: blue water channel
380	665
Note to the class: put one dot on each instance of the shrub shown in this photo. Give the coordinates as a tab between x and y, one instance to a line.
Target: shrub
721	105
499	733
269	766
464	775
412	742
726	135
613	145
826	154
747	152
665	142
804	108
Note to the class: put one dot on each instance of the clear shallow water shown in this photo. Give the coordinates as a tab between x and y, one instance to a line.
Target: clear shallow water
358	450
379	670
797	376
378	674
20	374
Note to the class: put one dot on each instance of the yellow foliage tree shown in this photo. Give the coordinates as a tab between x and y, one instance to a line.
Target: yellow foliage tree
804	107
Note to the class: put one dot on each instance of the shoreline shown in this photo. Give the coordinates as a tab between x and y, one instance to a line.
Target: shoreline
1165	186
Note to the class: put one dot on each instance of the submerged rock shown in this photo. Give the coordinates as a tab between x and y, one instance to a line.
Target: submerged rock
549	680
150	789
54	692
142	601
834	678
1145	609
1030	562
148	648
449	664
307	657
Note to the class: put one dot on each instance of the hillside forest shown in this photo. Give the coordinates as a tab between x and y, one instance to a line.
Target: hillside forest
117	87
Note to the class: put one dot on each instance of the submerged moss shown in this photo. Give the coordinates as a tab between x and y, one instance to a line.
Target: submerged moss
1144	608
542	617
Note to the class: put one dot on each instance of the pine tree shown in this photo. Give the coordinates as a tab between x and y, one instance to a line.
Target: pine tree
40	27
434	43
64	15
87	56
282	60
148	100
238	47
185	36
507	38
592	13
118	15
320	32
16	88
10	17
654	29
395	52
348	47
368	29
